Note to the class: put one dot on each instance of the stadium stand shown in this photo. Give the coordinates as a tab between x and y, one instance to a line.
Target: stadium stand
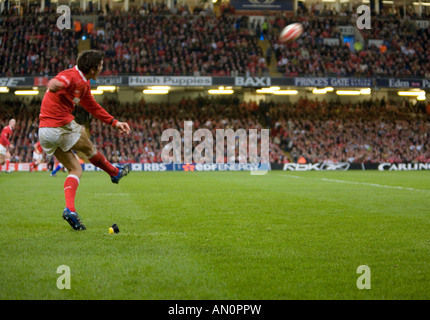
29	46
161	41
398	48
154	43
370	131
156	40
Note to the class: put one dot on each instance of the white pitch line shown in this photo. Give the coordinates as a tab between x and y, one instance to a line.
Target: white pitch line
291	176
374	185
359	183
111	194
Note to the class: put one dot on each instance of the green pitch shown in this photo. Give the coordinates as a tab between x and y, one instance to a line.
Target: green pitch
218	235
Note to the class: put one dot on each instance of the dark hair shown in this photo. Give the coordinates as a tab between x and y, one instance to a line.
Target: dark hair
89	59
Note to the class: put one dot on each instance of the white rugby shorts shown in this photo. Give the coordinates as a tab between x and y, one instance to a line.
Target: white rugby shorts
37	156
63	137
3	150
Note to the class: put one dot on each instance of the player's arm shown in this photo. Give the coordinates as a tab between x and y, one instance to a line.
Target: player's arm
55	85
61	81
90	104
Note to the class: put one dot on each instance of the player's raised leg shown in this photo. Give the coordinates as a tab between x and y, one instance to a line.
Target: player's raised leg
85	145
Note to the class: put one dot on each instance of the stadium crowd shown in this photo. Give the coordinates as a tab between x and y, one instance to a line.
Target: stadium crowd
30	46
157	40
181	43
401	48
178	45
371	131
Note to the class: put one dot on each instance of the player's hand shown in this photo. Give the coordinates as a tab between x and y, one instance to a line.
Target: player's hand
11	146
123	127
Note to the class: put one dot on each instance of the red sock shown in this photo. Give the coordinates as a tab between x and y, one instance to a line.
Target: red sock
7	165
70	186
101	162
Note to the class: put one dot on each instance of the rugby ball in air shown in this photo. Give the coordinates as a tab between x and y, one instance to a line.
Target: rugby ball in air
291	32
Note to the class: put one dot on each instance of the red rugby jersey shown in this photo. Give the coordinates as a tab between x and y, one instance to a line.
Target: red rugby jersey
57	108
6	133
